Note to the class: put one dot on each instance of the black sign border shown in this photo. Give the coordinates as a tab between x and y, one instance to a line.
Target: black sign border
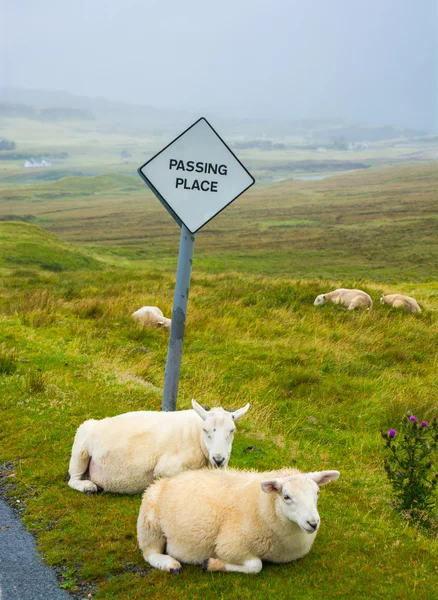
162	199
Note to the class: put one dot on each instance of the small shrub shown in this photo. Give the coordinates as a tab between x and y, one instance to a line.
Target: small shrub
8	360
34	382
70	293
36	300
7	144
38	318
53	266
409	466
90	309
69	581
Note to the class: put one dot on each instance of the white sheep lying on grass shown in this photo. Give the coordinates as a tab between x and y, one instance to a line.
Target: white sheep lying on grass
151	316
399	300
124	454
351	299
230	520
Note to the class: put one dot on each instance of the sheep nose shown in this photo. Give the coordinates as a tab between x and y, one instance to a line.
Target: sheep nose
218	460
313	524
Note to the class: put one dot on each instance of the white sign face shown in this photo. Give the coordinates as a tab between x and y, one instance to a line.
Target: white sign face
196	176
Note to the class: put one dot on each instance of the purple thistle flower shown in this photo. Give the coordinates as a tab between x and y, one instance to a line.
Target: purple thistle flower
424	423
412	418
392	433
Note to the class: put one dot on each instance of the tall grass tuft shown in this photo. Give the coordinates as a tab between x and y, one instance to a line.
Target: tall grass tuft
34	382
90	308
8	360
36	300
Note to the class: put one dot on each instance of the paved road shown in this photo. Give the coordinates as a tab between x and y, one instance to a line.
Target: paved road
22	574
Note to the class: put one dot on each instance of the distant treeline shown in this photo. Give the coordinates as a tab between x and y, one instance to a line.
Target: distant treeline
27	156
430	140
316	166
45	114
23	218
260	144
339	138
367	134
7	144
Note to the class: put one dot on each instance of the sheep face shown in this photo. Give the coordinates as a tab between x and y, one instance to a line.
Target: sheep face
297	497
218	432
319	300
164	322
382	299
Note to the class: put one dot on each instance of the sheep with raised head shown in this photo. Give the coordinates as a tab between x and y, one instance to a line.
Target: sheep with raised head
124	454
151	316
401	301
230	520
351	299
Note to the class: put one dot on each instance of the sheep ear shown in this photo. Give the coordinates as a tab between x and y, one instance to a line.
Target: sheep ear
240	412
271	485
198	409
322	477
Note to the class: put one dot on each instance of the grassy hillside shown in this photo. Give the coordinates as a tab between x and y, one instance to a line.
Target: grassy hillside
378	225
24	244
321	381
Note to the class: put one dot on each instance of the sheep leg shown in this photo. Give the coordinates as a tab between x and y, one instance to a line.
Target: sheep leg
164	562
252	565
355	303
398	303
79	461
152	543
151	538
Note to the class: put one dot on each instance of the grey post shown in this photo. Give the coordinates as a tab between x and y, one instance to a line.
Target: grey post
180	301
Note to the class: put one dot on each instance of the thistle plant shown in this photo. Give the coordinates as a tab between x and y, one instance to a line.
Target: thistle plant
409	465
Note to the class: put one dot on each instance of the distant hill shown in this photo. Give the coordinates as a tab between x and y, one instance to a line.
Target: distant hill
151	120
24	244
10	109
28	103
159	120
63	113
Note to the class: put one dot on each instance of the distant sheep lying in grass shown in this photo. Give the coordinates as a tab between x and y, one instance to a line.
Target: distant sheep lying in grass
399	300
230	520
351	299
151	316
124	454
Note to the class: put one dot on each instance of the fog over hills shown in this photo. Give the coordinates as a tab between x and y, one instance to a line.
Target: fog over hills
101	108
368	62
58	105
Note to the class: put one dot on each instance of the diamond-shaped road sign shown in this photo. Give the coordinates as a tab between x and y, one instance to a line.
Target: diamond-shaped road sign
196	176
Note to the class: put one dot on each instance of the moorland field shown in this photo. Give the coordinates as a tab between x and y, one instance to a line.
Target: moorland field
82	247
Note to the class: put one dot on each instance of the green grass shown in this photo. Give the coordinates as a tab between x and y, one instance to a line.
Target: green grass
8	360
27	244
321	381
379	225
289	223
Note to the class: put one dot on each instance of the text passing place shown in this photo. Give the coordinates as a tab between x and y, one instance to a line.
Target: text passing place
196	176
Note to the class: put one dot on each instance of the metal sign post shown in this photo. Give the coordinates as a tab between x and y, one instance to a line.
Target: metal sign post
195	177
180	301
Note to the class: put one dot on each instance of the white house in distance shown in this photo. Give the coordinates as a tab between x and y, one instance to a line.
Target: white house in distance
36	163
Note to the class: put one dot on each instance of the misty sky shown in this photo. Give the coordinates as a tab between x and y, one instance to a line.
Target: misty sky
364	60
